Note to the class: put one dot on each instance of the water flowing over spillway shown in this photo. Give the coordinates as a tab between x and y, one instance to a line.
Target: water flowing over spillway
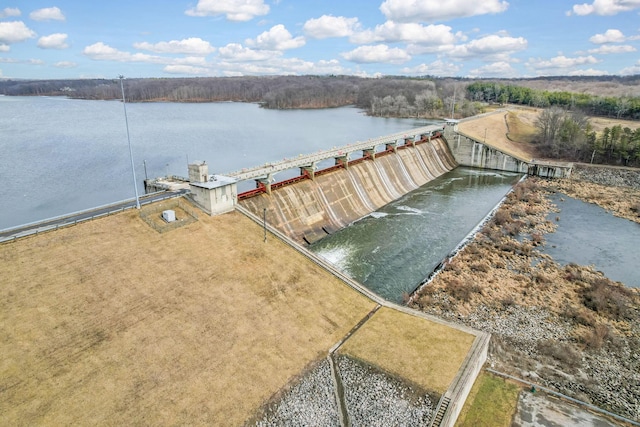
396	247
309	210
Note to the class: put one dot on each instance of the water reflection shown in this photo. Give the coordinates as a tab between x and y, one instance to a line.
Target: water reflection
589	235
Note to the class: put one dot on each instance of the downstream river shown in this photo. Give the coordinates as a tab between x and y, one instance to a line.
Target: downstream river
395	248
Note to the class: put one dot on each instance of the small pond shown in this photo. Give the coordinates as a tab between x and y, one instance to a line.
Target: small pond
589	235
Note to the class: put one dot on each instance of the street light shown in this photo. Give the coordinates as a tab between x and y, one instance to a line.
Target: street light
133	169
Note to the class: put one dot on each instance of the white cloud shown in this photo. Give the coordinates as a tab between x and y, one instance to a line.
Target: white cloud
4	48
436	68
10	11
277	38
610	36
589	72
282	66
102	52
47	14
438	10
330	26
234	10
377	53
628	71
191	46
497	69
53	41
607	49
65	64
490	47
604	7
235	52
187	69
560	64
14	32
390	32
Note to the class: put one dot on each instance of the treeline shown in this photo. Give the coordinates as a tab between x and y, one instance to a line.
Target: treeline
389	97
606	106
569	135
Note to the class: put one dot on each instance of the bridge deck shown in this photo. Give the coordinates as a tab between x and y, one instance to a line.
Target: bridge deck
307	160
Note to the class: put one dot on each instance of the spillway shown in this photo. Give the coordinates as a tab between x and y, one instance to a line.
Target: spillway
310	209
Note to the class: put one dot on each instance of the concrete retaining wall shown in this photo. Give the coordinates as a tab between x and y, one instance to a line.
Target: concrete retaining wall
469	152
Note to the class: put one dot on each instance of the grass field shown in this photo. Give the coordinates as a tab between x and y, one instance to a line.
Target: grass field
492	128
492	402
110	322
426	353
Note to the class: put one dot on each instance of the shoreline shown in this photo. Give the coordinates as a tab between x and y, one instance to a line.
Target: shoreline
568	327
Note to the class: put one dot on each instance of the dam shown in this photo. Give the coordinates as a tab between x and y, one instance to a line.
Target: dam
324	192
331	189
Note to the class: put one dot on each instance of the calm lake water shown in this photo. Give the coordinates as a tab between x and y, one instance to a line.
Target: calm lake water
61	155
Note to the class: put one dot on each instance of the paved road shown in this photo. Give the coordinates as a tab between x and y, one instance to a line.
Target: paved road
61	221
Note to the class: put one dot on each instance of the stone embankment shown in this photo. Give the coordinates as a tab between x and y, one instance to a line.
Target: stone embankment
604	175
371	396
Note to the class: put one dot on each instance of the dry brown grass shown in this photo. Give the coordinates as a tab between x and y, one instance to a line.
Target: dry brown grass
599	123
110	322
427	353
515	142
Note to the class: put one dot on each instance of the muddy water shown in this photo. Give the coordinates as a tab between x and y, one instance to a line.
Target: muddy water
395	248
589	235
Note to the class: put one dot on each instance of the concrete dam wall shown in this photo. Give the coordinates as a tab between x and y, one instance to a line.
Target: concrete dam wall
310	209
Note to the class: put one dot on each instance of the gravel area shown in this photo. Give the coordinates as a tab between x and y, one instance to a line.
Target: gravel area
311	402
616	177
372	397
376	399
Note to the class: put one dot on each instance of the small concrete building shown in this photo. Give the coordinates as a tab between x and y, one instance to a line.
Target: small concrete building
215	194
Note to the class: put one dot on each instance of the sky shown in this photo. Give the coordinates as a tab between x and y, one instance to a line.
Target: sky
56	39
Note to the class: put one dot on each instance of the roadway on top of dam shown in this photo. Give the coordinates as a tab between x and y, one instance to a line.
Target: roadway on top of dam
307	160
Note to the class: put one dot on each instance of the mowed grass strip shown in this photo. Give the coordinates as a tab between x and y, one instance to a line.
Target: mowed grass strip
426	353
110	322
492	402
494	127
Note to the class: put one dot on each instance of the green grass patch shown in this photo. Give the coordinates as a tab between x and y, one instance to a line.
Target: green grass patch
491	402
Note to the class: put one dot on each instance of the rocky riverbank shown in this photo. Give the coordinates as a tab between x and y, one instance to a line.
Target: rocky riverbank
565	327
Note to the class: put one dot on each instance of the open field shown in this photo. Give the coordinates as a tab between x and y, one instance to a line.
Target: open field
110	322
513	131
599	123
493	129
423	345
492	402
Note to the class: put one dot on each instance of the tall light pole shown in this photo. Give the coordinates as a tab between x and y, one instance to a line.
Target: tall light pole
133	169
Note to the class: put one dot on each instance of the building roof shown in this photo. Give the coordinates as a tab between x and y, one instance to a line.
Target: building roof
215	181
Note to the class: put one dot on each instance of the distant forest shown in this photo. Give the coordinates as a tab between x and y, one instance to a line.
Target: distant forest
617	97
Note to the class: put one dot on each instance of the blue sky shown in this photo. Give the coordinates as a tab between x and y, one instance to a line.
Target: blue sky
467	38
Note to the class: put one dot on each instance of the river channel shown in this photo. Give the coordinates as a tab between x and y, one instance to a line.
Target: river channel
395	248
